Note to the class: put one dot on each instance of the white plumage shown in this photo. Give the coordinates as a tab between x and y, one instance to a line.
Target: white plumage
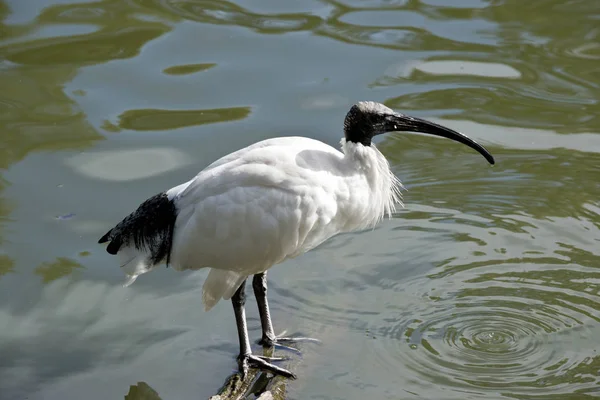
276	199
268	202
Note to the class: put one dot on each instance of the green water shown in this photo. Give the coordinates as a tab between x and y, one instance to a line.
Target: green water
485	286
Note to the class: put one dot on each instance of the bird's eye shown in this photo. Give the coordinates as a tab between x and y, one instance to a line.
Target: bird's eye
395	126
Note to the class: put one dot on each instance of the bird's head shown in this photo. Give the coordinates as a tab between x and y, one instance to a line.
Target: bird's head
368	118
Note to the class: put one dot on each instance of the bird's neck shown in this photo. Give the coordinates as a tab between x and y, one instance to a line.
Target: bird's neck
385	188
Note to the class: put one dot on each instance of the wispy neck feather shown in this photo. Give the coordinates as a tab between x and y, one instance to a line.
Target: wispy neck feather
386	188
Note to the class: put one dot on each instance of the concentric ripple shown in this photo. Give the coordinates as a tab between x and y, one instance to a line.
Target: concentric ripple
505	338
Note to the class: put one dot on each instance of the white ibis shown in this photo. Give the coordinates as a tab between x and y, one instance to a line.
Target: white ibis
263	204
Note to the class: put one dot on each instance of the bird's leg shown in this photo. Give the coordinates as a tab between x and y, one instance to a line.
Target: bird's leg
259	284
246	358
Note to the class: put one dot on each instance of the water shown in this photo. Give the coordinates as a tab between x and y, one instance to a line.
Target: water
486	286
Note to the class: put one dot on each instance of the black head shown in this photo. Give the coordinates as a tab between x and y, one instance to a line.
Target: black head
367	119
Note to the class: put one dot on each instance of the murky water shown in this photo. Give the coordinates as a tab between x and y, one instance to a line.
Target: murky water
486	286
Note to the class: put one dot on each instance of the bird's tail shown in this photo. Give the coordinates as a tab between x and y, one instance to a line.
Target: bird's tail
220	284
134	263
144	238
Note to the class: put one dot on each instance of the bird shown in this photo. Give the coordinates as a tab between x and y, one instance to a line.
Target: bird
264	204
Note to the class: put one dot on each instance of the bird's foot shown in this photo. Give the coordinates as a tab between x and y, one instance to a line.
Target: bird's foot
261	362
283	341
273	359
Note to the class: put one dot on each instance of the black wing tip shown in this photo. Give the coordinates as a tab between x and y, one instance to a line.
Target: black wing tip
114	246
106	236
148	229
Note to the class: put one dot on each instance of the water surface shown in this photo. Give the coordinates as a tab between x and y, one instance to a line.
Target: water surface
485	286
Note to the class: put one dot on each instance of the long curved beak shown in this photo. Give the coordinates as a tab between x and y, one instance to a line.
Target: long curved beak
412	124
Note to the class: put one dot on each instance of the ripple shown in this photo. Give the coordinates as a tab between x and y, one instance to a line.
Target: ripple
589	51
376	4
448	29
507	311
496	104
458	4
226	13
397	38
490	337
76	14
96	47
303	306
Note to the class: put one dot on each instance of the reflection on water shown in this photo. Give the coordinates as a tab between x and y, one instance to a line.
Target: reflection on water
128	165
50	271
70	325
7	265
187	69
159	120
141	391
229	13
485	286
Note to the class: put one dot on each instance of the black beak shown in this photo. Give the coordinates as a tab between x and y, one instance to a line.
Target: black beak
405	123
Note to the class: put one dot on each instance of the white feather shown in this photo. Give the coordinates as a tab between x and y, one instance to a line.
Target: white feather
272	201
268	202
220	284
134	263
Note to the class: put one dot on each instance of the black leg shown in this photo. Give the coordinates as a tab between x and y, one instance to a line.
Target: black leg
246	358
259	284
239	301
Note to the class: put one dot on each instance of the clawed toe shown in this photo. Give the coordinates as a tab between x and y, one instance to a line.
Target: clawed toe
259	362
279	341
273	359
296	340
